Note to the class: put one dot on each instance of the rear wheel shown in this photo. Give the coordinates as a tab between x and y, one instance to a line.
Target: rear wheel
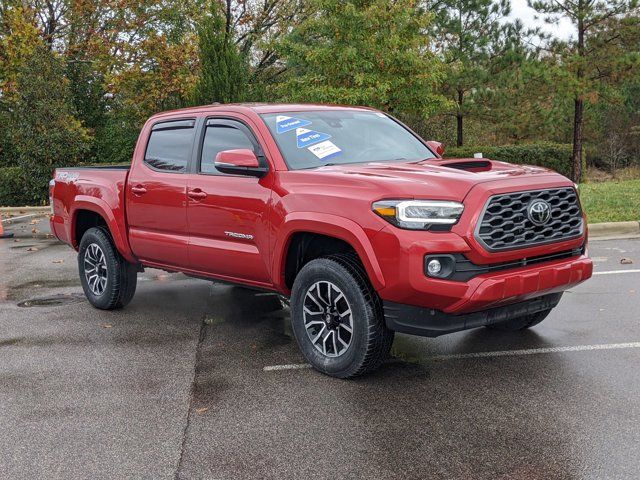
520	323
108	280
337	317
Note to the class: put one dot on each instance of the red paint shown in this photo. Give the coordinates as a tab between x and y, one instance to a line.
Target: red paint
239	228
242	157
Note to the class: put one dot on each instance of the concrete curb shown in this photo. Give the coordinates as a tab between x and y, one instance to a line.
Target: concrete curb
612	230
7	213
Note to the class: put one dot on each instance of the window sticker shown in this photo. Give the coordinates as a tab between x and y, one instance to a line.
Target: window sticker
285	123
325	149
306	137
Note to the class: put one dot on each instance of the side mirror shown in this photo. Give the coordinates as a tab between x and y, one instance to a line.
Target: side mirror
240	162
437	147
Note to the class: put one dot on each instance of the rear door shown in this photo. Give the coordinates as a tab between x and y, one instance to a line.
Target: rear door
156	196
227	214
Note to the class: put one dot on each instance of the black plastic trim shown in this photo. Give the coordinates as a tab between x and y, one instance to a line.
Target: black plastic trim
427	322
465	269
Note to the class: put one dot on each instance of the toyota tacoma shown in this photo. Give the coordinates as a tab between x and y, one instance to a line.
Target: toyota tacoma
345	211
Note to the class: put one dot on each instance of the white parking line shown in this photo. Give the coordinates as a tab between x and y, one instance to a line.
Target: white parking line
499	353
613	272
291	366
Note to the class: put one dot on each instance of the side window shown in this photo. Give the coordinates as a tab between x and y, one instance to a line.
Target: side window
169	146
219	137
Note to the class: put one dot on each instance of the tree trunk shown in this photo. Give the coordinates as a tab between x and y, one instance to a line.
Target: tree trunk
460	139
576	159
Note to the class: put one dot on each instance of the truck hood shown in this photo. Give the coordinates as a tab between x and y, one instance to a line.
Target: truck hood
449	179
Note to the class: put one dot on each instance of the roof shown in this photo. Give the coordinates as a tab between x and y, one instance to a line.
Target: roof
262	108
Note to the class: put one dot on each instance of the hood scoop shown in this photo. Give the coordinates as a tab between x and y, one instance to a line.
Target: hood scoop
469	165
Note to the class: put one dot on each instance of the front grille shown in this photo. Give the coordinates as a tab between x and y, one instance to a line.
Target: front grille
506	225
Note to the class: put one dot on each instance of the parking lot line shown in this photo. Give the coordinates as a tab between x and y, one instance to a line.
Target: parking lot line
499	353
613	272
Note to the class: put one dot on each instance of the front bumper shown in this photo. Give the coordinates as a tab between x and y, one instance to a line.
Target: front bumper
402	255
521	284
433	323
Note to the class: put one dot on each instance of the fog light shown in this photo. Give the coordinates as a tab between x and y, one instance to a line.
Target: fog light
434	267
439	266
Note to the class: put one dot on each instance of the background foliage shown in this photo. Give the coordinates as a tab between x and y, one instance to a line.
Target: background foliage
555	156
79	77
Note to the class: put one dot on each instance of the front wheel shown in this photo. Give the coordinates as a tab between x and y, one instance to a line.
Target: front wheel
337	317
108	280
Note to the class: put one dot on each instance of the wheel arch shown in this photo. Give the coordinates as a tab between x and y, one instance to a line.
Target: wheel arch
340	233
90	212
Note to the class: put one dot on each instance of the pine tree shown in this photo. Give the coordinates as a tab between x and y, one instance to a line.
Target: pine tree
223	71
579	55
470	35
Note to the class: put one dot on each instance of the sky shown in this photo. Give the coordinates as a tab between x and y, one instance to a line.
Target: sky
519	9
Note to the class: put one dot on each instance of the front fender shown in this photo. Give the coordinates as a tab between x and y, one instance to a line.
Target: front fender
329	225
117	228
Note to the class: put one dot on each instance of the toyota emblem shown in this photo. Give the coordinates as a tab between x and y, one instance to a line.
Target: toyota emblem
539	212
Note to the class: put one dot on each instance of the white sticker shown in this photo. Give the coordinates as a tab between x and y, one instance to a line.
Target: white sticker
325	149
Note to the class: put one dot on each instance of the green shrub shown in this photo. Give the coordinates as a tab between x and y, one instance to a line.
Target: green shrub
556	156
42	131
12	188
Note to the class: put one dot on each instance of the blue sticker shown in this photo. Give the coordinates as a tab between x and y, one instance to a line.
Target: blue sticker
309	137
284	123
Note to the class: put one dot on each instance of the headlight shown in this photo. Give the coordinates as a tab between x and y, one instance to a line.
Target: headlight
418	214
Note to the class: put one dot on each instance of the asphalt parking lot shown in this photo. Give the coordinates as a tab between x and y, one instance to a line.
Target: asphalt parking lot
199	380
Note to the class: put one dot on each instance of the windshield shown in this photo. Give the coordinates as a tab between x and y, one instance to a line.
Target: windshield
317	138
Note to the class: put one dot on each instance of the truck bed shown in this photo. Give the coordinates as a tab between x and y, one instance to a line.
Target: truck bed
99	189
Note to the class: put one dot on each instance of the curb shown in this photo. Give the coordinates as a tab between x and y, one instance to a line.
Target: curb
597	231
613	230
8	212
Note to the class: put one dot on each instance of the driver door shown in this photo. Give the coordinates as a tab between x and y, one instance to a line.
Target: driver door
227	214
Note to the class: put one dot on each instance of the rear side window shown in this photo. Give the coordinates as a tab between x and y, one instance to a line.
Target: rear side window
219	137
169	147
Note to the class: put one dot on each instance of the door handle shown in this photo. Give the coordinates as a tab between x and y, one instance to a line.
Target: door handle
196	194
138	190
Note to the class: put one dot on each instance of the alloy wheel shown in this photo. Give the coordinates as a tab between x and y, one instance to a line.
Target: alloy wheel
328	319
95	269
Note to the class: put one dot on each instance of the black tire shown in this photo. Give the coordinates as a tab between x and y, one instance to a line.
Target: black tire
121	276
370	340
520	323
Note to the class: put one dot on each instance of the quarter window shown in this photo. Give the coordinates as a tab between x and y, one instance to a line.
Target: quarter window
221	137
169	146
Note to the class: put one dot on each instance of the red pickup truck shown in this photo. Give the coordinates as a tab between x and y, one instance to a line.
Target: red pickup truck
346	211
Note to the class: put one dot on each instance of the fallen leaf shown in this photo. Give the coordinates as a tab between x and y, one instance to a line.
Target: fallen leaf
202	410
106	325
58	261
32	249
34	230
34	222
626	261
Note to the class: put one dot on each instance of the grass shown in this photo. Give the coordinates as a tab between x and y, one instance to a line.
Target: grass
612	201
